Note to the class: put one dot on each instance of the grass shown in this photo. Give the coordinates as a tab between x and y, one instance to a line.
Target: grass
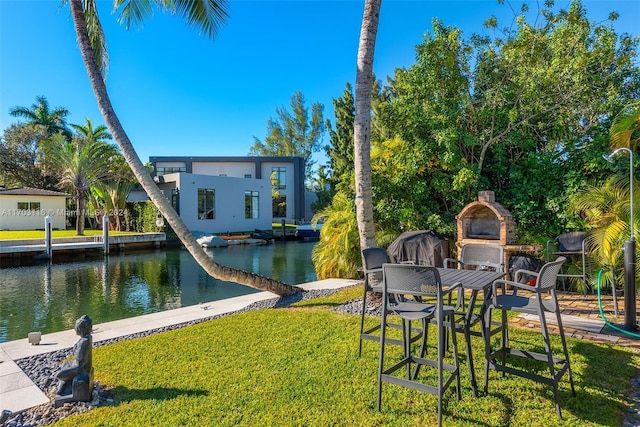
39	234
298	366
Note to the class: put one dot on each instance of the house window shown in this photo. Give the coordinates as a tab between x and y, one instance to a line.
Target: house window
206	203
247	175
280	207
165	170
251	202
29	206
279	177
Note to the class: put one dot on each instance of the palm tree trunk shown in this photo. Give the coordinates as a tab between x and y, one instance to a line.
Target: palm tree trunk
362	123
81	205
155	194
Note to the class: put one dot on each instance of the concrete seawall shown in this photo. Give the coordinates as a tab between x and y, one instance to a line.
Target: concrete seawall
14	253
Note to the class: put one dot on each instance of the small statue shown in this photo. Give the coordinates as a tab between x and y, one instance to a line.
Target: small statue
75	378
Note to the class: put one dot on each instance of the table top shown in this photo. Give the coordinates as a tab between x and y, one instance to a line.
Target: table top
469	279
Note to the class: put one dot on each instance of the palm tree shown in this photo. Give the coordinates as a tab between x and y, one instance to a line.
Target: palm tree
362	123
40	114
337	254
625	131
88	133
606	209
79	165
206	15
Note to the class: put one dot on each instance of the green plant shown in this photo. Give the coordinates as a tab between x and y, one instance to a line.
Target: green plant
143	216
337	254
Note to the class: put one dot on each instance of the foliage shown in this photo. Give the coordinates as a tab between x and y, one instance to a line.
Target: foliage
79	165
22	162
110	198
524	111
340	149
337	254
399	171
309	374
322	190
625	131
88	133
293	133
54	121
142	217
606	209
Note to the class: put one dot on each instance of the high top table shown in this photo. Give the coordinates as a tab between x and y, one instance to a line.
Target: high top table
475	281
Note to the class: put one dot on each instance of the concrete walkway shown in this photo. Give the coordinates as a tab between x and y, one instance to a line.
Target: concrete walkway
18	392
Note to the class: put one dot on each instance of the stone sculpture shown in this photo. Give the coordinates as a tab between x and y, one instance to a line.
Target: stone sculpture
75	378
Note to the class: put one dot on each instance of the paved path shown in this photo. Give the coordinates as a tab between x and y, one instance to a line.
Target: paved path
18	392
581	319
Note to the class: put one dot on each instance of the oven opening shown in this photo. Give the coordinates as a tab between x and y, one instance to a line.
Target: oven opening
484	228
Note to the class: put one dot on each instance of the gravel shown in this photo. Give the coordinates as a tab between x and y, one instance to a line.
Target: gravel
42	367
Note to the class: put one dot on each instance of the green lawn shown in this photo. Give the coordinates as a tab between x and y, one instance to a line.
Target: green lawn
298	366
39	234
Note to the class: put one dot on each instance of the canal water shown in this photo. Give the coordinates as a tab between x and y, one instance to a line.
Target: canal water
49	297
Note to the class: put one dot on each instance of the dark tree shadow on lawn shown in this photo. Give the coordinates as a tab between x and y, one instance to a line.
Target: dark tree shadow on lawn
604	368
124	394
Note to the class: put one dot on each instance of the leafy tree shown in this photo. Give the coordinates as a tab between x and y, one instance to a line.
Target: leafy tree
22	158
522	112
79	165
321	189
54	121
293	133
340	151
207	16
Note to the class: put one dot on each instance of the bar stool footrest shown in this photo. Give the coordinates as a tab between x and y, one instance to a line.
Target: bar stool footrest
493	364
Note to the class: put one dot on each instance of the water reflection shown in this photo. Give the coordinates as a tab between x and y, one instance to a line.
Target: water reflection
49	297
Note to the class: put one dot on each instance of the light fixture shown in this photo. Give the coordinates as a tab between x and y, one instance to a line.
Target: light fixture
629	252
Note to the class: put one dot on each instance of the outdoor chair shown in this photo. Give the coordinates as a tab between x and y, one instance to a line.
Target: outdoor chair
373	259
476	256
422	283
543	300
570	246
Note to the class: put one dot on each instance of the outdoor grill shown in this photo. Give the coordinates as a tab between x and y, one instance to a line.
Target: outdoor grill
488	222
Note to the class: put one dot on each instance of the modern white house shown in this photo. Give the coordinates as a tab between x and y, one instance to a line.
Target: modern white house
26	208
230	194
219	204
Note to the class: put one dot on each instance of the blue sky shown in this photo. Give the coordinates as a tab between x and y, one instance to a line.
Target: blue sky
177	93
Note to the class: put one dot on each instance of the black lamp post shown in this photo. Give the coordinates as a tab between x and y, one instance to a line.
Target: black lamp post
629	254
